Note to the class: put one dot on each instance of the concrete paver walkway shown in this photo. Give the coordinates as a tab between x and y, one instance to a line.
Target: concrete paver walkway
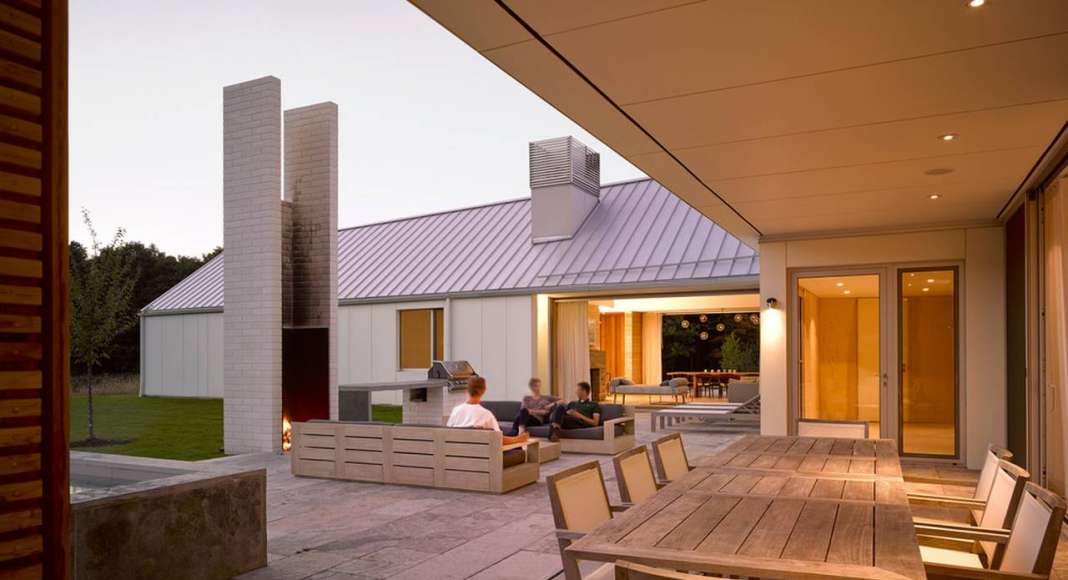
337	530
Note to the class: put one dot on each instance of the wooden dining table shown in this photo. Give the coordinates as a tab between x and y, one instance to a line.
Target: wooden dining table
774	507
694	377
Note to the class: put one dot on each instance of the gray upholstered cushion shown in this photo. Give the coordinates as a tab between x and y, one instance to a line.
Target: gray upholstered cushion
651	390
503	410
742	391
610	411
618	381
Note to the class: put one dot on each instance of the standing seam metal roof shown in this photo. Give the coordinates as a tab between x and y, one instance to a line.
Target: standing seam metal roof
639	233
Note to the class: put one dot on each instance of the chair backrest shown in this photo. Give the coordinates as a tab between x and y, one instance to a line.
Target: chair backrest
670	455
632	571
578	498
1001	506
839	429
1035	531
634	474
742	391
994	454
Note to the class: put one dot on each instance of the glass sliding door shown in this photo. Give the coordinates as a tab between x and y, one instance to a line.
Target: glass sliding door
928	361
840	348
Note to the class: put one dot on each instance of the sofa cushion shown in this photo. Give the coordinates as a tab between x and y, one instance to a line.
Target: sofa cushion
538	431
619	381
611	411
514	457
503	410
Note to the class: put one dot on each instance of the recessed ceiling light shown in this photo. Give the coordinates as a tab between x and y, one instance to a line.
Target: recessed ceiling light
847	291
840	284
935	196
976	3
930	280
926	289
947	136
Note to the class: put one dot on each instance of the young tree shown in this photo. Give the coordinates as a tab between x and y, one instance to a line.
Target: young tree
102	287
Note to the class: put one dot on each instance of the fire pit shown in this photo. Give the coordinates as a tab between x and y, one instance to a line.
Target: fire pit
426	401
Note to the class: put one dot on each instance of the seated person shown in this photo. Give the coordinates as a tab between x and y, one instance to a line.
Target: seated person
472	414
535	409
575	415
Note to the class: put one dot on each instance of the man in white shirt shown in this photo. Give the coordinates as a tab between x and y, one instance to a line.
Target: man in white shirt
472	414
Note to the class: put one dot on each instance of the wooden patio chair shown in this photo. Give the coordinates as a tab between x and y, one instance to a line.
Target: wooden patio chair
1026	551
827	428
580	503
994	456
670	456
634	475
632	571
997	513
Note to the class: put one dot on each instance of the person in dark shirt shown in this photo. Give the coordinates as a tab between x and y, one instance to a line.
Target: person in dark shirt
575	415
535	410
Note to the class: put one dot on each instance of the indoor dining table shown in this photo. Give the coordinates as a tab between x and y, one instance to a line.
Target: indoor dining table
774	507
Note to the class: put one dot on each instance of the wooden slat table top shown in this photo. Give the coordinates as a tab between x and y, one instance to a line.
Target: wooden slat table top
772	519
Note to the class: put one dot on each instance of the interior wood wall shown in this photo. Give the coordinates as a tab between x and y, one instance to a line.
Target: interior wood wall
929	381
33	290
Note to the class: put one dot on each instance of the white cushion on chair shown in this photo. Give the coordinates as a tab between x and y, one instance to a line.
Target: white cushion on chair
931	555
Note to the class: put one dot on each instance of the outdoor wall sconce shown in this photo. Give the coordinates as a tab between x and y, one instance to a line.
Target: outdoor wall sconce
772	303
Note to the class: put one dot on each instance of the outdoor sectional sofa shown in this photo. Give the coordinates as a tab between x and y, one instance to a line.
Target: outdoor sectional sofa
615	435
429	456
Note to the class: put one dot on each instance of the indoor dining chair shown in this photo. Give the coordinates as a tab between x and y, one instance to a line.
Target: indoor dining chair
1025	551
837	429
580	503
670	456
634	475
998	512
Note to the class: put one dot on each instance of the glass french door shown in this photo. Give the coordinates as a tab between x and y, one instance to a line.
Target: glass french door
841	348
928	343
881	346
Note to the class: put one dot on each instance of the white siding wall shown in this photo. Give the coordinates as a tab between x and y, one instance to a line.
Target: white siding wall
982	360
184	355
496	335
368	347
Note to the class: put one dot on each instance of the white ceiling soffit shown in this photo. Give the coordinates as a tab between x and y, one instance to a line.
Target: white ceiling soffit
780	118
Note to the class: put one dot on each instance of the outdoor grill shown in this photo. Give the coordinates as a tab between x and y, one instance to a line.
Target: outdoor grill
446	375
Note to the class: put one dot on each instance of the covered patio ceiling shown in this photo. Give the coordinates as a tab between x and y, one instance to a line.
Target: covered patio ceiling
781	119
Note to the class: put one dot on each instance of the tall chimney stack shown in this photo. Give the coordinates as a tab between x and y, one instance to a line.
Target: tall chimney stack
565	186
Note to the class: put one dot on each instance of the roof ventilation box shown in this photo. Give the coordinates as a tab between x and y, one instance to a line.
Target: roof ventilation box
565	185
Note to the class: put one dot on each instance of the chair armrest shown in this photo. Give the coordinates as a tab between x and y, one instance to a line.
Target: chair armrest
963	532
610	426
944	501
569	535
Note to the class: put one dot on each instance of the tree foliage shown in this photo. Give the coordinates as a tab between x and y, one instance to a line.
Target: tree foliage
730	341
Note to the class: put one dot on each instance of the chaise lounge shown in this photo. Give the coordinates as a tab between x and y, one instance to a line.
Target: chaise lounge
616	434
430	456
674	388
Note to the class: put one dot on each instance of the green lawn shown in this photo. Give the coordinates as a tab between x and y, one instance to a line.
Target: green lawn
187	429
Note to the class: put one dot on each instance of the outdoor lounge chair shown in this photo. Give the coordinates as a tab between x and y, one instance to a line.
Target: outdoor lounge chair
670	455
634	475
743	413
580	503
615	434
674	388
1026	550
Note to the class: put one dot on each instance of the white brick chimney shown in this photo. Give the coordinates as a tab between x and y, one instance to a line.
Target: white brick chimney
281	264
565	186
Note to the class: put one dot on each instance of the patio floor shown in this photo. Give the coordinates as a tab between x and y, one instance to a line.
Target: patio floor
340	530
337	530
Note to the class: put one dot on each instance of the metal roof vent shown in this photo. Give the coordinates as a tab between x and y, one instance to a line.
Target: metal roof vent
565	185
565	160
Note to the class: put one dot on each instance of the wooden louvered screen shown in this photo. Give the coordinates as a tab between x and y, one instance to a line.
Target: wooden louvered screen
34	492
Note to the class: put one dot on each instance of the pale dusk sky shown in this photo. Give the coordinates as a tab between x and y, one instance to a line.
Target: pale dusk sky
426	124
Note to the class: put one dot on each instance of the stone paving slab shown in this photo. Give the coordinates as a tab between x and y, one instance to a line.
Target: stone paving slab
339	530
